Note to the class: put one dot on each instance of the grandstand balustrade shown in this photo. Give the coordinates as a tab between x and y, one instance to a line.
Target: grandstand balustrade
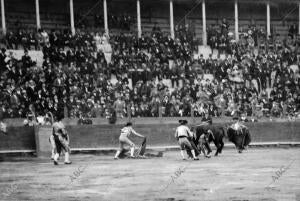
54	15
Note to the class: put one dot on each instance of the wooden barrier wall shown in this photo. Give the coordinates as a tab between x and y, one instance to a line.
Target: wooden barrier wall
106	136
18	138
163	134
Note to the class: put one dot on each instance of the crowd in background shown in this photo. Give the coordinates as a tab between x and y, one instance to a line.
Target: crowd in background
253	79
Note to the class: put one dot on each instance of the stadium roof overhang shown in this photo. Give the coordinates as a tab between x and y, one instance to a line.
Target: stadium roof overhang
193	2
226	1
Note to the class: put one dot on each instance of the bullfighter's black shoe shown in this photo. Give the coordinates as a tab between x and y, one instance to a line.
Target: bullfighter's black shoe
207	155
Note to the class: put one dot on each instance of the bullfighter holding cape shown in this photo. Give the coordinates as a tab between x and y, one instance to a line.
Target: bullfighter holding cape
123	139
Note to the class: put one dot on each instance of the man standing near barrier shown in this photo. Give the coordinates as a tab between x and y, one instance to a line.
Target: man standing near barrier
123	139
61	139
3	126
49	119
183	134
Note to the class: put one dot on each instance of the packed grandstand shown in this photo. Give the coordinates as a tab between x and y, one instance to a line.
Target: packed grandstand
92	73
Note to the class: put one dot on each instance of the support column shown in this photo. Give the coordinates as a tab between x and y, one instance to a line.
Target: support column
236	20
37	13
172	20
204	35
105	17
299	19
3	17
72	17
268	19
139	26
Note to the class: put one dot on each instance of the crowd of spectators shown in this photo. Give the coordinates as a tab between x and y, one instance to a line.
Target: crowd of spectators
79	79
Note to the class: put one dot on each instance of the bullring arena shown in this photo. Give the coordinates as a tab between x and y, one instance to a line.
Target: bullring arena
86	70
267	170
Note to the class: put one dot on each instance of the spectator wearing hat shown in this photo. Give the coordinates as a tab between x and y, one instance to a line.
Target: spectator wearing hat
120	107
30	120
26	60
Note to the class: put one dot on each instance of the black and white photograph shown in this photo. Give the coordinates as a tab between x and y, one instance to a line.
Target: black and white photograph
150	100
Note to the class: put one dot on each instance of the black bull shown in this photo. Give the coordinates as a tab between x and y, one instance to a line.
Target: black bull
241	138
215	134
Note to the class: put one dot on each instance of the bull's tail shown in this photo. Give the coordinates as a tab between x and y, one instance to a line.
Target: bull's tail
224	131
247	138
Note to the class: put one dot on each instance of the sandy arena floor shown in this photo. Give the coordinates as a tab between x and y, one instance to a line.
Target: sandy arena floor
231	176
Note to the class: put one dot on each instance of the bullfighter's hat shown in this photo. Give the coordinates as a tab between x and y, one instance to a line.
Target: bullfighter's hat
182	122
235	118
128	124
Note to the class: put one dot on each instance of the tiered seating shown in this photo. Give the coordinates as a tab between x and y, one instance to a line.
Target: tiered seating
55	21
163	23
26	19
